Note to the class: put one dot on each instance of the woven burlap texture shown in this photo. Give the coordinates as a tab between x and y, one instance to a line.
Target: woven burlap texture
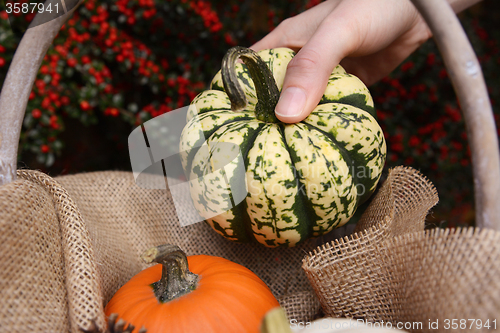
391	270
33	293
68	243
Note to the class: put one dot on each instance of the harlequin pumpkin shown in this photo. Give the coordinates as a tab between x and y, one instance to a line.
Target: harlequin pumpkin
293	181
192	294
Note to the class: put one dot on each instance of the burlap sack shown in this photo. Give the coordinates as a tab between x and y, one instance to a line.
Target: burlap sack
67	244
392	271
49	280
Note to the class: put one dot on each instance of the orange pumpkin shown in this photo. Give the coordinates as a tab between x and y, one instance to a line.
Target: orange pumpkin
192	294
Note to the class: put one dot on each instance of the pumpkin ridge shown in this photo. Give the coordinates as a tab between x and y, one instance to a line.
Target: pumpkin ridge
361	160
207	134
334	199
346	101
308	213
357	93
246	221
271	204
345	154
241	224
245	78
204	102
214	204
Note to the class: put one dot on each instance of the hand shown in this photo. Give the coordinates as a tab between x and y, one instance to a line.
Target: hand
368	38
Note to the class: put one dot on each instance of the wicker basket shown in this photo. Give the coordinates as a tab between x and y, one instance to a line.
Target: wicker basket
68	243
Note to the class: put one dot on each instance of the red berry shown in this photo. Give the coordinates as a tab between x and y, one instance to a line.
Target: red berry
65	100
112	112
36	113
84	105
72	62
108	89
44	148
86	60
45	103
53	96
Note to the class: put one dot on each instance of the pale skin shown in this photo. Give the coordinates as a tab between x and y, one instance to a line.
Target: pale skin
369	38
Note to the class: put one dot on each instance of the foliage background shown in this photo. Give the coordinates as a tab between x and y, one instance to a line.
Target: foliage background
118	63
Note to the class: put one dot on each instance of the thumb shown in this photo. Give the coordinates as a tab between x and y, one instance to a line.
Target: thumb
308	73
305	82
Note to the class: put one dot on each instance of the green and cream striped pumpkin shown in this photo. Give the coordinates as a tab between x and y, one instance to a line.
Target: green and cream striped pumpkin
298	180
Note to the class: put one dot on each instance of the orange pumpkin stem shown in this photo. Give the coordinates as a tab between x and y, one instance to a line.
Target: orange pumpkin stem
176	279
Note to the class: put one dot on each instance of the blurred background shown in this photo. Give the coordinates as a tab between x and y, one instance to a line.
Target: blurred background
118	63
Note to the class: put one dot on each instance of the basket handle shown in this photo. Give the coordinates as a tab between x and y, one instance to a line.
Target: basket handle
468	82
19	83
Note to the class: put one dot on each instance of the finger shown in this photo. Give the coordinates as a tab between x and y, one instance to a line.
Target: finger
351	29
308	72
374	67
294	32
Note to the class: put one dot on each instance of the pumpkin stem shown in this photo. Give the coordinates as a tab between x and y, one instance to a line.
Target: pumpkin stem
176	279
265	85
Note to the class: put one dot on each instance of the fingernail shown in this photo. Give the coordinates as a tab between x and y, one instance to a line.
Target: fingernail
291	102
